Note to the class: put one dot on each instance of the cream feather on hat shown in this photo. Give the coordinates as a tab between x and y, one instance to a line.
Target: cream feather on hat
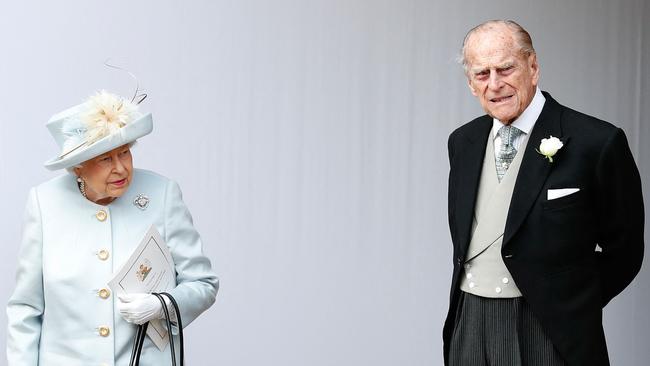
102	123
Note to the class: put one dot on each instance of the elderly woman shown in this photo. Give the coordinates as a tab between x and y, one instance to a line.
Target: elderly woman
80	228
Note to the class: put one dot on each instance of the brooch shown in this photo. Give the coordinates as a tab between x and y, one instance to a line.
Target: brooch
141	201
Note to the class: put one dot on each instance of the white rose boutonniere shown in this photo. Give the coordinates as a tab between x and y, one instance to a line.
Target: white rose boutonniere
549	147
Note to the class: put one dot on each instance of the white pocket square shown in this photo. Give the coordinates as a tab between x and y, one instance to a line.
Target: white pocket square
553	194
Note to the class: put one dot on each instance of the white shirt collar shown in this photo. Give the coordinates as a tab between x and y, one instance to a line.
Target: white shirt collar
527	120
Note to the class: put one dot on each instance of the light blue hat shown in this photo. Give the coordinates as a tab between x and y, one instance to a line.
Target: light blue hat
102	123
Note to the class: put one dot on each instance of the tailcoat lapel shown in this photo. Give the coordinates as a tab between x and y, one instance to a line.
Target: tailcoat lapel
534	167
469	173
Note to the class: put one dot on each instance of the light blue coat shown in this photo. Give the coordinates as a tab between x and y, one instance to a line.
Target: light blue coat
55	312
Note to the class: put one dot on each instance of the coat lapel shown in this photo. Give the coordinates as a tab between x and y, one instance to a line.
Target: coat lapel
534	167
469	173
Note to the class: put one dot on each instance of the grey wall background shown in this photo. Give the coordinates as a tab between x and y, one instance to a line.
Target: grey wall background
309	137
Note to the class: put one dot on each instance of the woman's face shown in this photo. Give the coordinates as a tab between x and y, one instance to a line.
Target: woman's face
107	176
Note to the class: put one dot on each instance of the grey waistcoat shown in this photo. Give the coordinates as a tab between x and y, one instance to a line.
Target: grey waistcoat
485	273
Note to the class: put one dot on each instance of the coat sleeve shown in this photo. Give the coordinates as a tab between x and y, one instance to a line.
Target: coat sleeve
26	304
621	217
451	188
197	285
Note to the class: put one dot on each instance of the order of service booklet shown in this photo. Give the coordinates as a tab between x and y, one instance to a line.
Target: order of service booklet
149	269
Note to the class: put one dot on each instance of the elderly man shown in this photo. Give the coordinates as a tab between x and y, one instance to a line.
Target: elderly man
545	213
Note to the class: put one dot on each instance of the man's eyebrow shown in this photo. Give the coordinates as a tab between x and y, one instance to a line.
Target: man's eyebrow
505	65
479	70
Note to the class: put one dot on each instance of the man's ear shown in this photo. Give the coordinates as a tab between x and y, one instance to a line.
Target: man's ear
471	87
534	68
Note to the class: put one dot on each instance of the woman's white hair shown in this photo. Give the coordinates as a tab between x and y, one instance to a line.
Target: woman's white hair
71	169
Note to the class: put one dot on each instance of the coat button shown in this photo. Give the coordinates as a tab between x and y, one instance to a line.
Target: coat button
459	260
104	293
104	331
101	215
103	254
505	280
472	284
498	290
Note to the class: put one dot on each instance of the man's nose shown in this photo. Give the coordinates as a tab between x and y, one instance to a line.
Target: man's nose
495	82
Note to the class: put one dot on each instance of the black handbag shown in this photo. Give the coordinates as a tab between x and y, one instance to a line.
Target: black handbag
142	332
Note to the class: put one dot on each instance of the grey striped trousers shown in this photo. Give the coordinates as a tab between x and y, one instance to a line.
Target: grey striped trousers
499	332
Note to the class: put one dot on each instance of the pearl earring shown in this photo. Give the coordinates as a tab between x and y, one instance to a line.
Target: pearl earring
82	186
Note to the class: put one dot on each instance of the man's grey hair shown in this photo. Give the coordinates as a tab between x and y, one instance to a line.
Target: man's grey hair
522	38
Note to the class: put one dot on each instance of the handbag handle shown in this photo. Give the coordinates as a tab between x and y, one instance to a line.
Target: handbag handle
137	344
169	326
179	322
141	332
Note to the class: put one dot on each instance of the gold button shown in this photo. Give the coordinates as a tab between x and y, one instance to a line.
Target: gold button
104	293
103	254
104	331
101	215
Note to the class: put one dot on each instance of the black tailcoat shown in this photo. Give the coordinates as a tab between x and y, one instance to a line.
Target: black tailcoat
549	246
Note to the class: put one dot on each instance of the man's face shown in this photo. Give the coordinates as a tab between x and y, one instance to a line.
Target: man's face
500	76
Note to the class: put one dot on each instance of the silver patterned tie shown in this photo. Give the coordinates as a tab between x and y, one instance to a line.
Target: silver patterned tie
507	152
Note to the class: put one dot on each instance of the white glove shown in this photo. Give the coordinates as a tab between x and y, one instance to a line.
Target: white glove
139	308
